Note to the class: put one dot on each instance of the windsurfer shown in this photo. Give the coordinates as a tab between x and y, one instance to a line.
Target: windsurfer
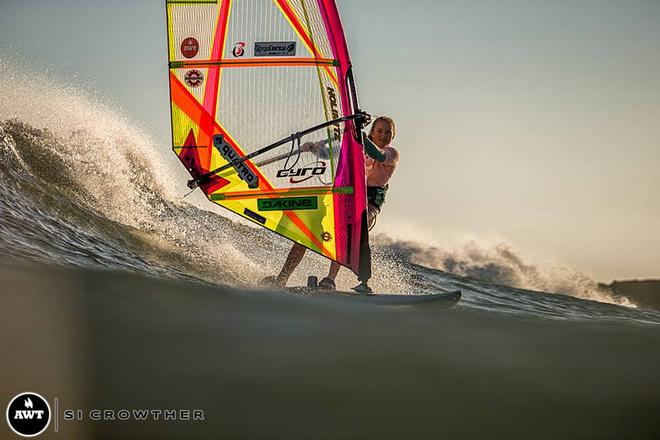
380	162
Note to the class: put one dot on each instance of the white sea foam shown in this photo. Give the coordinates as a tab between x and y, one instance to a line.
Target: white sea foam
115	161
497	261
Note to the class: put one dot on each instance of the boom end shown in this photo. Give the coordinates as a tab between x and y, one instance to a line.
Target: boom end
192	184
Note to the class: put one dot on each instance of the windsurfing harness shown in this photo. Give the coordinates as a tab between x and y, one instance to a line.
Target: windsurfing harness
252	80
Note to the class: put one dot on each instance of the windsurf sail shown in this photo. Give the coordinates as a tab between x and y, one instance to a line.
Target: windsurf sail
254	83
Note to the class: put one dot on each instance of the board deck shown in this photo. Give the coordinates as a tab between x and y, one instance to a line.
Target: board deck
446	298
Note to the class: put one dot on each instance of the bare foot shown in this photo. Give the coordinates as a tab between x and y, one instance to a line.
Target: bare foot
272	282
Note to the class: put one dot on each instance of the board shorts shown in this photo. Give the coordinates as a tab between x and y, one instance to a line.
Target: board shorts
375	199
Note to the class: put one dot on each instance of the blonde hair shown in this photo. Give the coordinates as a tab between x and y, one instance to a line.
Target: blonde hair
387	119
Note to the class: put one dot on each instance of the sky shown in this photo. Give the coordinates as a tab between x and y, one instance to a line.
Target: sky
532	122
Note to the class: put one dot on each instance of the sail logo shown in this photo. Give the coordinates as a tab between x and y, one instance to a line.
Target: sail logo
238	50
275	49
232	157
288	204
300	175
194	78
28	414
334	108
189	47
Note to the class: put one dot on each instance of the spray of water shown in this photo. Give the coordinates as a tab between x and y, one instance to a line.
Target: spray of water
499	262
70	138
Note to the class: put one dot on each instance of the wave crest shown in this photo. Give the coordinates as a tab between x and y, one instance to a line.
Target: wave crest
500	263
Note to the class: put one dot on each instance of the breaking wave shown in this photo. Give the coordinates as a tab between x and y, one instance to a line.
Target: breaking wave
501	263
82	185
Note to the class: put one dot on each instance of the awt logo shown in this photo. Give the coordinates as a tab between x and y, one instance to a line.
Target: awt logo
28	414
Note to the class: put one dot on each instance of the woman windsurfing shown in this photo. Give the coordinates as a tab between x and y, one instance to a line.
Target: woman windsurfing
381	159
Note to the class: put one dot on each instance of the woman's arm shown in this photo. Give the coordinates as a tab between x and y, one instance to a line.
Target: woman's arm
372	150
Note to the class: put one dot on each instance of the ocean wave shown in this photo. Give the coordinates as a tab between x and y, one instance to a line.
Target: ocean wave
501	263
83	186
